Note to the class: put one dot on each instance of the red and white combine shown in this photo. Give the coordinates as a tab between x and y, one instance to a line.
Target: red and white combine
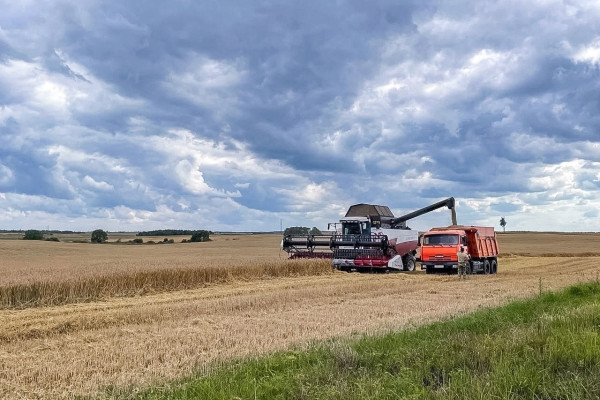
370	239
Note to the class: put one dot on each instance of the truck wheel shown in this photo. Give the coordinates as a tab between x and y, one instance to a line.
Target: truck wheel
486	267
469	268
494	267
429	270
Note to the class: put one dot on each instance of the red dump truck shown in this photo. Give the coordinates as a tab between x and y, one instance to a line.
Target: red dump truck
440	245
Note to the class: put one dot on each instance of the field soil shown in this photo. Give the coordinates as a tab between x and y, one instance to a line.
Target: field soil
80	349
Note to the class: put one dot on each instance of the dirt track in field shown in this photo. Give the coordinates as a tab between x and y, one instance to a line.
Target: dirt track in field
78	349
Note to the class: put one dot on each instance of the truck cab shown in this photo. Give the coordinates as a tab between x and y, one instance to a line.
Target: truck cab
439	248
445	239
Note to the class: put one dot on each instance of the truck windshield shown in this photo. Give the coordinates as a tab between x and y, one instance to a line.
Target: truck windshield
433	240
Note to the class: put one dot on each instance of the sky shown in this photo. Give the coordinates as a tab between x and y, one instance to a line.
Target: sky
257	115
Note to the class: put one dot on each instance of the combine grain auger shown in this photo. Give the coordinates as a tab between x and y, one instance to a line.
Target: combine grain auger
371	239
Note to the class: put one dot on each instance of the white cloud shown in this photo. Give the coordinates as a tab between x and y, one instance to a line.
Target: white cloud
191	178
6	175
68	158
50	103
98	185
589	53
203	155
568	179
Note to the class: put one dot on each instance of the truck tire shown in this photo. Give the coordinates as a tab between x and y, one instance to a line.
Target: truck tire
486	267
469	268
494	267
429	270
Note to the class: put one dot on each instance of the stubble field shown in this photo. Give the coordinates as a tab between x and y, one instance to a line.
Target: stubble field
258	302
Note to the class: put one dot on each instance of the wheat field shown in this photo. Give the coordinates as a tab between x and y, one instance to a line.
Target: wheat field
142	339
30	261
39	273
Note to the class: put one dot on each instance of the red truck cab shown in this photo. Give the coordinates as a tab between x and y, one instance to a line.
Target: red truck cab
439	248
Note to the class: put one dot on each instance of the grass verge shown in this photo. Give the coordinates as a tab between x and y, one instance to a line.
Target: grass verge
543	348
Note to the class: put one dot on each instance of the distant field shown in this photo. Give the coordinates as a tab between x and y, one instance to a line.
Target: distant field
541	243
150	336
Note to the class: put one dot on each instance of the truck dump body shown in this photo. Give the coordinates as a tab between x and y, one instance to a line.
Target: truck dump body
440	246
482	242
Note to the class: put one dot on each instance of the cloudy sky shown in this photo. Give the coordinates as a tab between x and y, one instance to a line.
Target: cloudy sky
252	115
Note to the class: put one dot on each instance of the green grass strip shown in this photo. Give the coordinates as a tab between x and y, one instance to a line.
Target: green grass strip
543	348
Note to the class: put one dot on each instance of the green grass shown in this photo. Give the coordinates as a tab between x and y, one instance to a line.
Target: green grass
543	348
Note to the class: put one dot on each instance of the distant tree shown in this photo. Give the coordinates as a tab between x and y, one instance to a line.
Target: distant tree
200	236
33	234
296	230
99	236
503	224
315	231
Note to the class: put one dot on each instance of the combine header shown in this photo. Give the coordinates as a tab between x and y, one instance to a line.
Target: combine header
370	239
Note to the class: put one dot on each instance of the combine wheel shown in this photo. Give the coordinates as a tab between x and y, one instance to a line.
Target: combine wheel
486	267
410	264
494	267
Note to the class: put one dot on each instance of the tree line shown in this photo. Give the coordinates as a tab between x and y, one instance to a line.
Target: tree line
172	232
101	236
301	230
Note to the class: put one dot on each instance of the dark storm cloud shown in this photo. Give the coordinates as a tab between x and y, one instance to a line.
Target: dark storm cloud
142	112
31	174
6	51
298	59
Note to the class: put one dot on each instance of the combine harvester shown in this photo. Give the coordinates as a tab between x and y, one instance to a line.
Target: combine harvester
371	239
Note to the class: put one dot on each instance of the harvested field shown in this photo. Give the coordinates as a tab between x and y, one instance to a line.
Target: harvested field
141	340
